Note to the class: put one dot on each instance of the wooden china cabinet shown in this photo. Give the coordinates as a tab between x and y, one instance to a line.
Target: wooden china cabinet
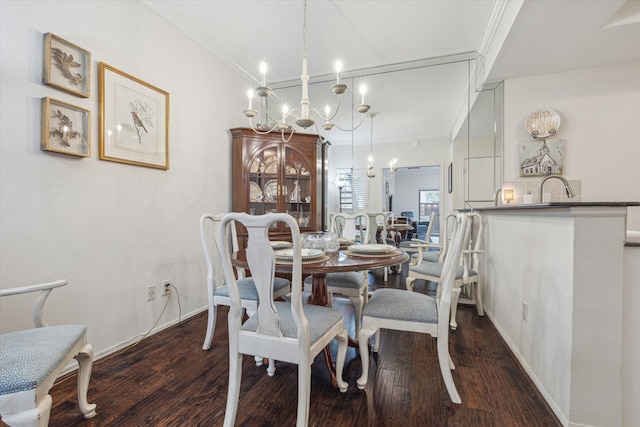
270	175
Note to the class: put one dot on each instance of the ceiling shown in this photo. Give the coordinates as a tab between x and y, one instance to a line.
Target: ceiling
412	55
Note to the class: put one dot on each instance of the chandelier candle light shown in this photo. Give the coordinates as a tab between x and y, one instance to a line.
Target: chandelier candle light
305	117
370	172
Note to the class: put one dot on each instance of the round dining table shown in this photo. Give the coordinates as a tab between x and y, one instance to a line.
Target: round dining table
340	261
331	262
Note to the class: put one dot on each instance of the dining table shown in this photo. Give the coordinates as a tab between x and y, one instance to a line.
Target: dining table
342	260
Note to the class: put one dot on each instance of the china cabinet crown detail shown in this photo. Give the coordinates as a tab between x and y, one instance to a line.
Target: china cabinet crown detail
270	175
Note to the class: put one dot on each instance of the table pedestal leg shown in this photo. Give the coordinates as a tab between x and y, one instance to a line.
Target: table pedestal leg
319	290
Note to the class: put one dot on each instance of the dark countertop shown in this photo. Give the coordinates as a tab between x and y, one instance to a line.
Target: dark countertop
558	205
562	205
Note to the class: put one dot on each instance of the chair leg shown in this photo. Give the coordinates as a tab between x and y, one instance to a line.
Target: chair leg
376	341
85	363
304	393
454	308
477	291
343	341
329	299
38	416
363	342
211	327
444	360
271	370
358	304
366	288
235	376
409	283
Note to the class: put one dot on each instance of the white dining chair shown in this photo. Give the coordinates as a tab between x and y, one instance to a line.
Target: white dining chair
32	359
352	284
350	226
398	309
410	247
467	273
217	289
288	331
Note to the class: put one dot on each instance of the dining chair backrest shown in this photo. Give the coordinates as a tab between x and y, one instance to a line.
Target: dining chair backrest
459	234
350	226
211	247
447	233
378	219
261	261
474	240
427	235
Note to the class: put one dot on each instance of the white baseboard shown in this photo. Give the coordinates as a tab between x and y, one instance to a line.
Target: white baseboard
73	365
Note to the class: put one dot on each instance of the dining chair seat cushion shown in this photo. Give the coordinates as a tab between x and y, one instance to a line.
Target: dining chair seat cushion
435	269
248	289
321	320
398	304
429	256
346	279
28	357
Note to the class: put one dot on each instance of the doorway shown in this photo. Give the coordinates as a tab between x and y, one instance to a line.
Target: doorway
415	189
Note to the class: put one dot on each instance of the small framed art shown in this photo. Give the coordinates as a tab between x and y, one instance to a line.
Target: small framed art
541	157
65	128
134	120
66	66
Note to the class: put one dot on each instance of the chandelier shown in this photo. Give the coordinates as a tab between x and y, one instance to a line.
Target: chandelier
393	164
306	117
370	172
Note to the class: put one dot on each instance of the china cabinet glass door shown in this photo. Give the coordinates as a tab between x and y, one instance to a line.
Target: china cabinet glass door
297	185
280	180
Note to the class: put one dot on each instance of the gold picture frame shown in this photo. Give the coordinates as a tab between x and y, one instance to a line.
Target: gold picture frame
134	120
66	128
66	66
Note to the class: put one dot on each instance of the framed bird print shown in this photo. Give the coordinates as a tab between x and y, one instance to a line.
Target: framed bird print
66	66
134	120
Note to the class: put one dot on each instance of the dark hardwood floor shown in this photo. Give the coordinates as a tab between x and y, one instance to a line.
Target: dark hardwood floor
168	380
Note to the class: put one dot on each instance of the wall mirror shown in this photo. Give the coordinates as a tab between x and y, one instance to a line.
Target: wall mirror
426	102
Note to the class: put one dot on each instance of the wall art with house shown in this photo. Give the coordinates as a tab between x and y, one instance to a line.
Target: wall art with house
541	157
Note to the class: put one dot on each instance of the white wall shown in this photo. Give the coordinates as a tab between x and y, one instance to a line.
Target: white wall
600	113
111	229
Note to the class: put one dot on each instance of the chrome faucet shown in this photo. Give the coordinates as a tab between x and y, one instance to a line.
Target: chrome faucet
567	187
496	198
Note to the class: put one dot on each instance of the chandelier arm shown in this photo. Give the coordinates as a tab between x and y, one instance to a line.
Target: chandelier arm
262	132
356	127
293	113
290	135
327	118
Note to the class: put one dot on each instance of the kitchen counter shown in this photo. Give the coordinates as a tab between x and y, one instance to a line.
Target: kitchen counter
559	205
554	280
508	207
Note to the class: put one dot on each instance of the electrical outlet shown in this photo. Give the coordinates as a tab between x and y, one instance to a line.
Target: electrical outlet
151	292
166	287
525	312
